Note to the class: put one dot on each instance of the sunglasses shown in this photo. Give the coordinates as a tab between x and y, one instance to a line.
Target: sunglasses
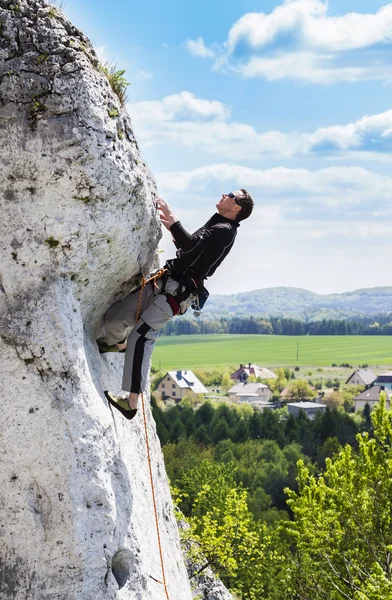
233	196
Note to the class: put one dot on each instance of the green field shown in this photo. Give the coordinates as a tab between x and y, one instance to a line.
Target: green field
191	351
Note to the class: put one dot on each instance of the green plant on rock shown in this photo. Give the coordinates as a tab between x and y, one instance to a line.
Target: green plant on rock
37	105
37	110
116	80
42	58
15	7
51	242
113	113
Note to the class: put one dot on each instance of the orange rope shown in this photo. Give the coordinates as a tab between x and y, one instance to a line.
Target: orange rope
154	278
154	502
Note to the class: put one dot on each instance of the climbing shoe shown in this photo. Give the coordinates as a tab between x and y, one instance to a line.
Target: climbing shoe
105	348
121	403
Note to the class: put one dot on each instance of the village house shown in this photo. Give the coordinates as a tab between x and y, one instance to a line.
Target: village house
371	396
177	384
245	371
310	408
361	377
257	394
384	379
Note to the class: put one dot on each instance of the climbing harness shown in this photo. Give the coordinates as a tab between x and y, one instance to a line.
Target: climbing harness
188	287
163	582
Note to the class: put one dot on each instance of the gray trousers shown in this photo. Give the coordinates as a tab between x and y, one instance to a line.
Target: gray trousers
155	312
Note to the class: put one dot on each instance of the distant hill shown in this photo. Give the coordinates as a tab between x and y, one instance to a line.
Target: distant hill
300	303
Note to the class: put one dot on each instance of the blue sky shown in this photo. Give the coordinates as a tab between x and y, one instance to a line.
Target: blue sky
289	99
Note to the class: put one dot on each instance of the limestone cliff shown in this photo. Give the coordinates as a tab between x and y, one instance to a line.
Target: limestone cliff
77	227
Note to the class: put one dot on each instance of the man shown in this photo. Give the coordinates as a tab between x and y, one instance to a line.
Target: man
198	256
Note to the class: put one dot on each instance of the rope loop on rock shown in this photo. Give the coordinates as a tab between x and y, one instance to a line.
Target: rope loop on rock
163	582
153	278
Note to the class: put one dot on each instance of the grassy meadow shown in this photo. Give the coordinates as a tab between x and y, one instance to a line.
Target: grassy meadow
191	351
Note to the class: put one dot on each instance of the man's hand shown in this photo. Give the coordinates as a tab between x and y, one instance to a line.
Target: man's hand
165	214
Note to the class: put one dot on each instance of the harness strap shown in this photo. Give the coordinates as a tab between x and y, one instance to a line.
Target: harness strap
153	280
189	284
174	303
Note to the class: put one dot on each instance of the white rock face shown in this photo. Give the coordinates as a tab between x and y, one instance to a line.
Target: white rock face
208	587
77	226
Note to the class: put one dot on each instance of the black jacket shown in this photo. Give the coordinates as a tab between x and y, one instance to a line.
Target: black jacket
199	254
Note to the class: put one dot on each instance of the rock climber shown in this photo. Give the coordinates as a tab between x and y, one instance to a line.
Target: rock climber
170	292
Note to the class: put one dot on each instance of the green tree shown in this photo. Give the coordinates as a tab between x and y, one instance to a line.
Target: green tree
278	384
342	532
226	382
334	400
300	390
330	447
222	532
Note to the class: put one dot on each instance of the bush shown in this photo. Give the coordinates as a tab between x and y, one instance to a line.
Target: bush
117	81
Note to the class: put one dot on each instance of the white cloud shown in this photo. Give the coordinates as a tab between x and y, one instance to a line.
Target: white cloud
309	22
180	107
306	66
334	193
184	120
198	48
301	39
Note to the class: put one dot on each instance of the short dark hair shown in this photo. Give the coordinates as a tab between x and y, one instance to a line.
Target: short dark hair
246	203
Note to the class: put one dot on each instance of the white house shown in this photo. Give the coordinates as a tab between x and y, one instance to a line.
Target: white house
311	408
177	384
371	396
361	377
256	394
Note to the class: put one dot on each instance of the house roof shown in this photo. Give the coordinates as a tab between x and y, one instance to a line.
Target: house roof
255	370
247	388
373	394
366	375
306	404
187	379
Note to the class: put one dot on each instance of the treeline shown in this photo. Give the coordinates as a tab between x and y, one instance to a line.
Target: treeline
210	426
375	325
268	512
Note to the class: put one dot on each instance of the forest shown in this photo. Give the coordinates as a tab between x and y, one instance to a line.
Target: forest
366	325
282	507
